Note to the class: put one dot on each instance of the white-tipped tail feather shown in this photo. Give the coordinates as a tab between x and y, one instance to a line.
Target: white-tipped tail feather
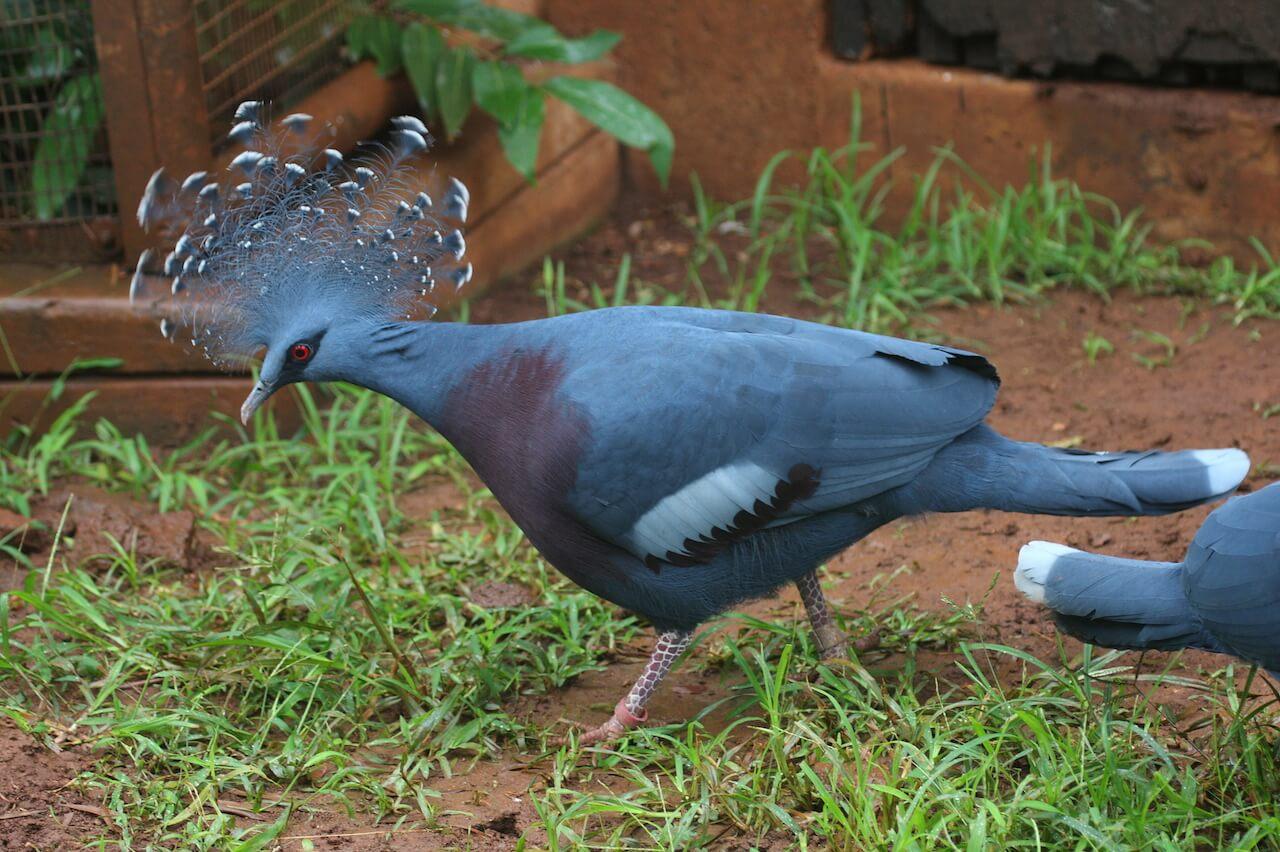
1226	468
1046	481
1035	561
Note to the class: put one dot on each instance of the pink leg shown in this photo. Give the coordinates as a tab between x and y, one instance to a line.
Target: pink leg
831	642
630	711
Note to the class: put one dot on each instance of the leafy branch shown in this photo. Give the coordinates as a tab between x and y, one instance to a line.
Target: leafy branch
482	63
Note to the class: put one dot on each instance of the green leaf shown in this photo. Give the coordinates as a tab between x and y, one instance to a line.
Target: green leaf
477	17
102	363
499	89
620	115
258	841
66	137
51	57
520	137
553	47
453	88
378	37
422	47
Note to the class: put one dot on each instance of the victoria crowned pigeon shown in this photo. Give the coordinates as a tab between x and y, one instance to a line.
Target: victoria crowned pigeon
674	461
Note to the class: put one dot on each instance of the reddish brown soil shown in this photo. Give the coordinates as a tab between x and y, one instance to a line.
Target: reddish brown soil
1212	394
93	524
40	808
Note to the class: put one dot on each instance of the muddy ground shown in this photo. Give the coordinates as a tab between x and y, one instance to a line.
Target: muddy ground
1213	392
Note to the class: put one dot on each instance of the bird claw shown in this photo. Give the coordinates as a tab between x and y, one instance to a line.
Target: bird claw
838	651
832	644
870	642
607	732
618	724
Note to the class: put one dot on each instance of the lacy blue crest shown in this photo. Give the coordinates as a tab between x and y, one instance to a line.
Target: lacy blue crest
294	225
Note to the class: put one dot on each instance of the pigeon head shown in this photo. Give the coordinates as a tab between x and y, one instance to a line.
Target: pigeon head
297	247
296	352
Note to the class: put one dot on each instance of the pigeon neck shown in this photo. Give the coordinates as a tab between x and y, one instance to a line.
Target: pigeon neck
418	363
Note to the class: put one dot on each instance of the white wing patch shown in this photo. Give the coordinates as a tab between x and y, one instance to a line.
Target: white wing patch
710	505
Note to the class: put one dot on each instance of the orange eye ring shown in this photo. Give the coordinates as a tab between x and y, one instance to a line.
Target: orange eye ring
301	352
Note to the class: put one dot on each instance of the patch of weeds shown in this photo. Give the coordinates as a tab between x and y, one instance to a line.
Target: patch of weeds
1267	412
1254	292
960	241
625	291
841	759
1095	346
327	664
1168	349
1199	334
328	661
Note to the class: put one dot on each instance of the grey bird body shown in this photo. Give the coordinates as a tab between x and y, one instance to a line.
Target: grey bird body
1223	597
677	461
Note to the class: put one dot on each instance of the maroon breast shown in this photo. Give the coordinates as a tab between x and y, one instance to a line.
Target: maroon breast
509	419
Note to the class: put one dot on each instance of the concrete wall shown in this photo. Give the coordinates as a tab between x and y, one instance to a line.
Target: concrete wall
739	82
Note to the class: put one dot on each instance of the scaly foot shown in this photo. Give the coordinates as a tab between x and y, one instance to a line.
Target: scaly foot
832	644
631	712
622	721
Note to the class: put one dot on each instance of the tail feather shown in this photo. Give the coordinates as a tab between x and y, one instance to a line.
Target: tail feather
1047	481
1118	603
982	469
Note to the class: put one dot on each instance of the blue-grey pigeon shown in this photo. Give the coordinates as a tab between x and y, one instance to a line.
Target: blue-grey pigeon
1223	597
675	461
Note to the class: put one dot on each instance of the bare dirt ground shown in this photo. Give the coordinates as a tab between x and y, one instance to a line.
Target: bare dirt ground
1213	392
38	807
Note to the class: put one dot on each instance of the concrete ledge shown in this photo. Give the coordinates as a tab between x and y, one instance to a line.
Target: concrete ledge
169	410
1200	163
84	315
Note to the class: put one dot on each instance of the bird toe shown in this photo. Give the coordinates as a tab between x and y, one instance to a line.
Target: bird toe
586	735
622	720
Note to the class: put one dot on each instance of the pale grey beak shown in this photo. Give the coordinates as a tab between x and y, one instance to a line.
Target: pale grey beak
254	400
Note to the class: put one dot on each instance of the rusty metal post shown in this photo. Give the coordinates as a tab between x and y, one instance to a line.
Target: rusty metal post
153	93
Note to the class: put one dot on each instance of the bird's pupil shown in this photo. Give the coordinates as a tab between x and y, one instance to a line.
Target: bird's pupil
301	352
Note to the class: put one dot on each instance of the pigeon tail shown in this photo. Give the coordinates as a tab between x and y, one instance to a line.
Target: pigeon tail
1117	603
984	470
1048	481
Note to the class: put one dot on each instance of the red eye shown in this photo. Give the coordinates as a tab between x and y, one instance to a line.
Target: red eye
301	352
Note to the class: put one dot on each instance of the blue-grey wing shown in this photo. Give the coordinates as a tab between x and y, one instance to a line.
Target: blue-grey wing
763	421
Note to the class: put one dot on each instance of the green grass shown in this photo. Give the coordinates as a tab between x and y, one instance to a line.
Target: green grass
957	240
333	660
1096	346
329	663
285	665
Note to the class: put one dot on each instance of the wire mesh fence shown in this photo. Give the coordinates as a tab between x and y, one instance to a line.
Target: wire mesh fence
58	190
57	193
262	50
